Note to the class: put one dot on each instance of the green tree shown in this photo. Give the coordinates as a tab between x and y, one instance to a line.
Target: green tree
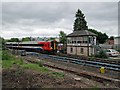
51	38
101	37
62	37
13	40
80	23
2	43
111	38
26	39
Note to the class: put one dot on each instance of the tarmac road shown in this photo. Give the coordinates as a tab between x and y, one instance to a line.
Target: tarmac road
118	57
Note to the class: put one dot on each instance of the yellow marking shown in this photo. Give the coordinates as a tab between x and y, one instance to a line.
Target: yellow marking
102	70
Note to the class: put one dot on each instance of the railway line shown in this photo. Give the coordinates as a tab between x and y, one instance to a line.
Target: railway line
97	64
79	62
110	60
115	67
88	75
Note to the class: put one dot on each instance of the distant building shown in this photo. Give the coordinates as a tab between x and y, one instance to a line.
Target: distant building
81	43
109	42
117	42
114	44
107	45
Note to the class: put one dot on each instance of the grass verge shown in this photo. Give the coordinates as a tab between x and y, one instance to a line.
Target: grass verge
9	60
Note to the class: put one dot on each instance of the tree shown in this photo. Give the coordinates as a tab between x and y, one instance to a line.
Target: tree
101	37
62	37
2	43
26	39
111	38
13	40
80	23
51	38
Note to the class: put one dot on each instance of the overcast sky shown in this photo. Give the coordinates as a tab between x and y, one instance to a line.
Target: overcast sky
38	19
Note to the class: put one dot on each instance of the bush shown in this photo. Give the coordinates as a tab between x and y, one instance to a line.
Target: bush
40	64
101	54
6	55
118	50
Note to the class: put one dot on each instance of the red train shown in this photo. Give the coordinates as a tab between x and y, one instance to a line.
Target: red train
40	46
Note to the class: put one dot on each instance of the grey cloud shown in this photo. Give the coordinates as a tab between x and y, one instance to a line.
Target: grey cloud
29	16
48	12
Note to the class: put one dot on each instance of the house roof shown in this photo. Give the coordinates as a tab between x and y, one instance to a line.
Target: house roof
81	33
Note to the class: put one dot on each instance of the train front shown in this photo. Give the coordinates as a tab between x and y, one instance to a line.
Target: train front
54	46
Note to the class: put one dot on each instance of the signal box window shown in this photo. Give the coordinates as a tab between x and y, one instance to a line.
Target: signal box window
82	50
71	49
85	41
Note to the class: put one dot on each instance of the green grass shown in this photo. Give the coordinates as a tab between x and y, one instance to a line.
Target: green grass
34	67
12	60
0	53
58	74
95	88
9	60
7	64
0	58
42	69
6	55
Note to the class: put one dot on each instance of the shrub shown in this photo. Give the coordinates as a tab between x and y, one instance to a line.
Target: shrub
40	64
118	50
6	55
101	54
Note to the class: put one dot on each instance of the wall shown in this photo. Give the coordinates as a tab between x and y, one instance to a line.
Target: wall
81	42
77	50
117	40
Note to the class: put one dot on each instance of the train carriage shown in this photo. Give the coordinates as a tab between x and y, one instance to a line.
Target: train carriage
35	46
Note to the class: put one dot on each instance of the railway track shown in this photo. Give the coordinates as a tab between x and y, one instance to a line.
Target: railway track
115	67
88	75
97	64
111	61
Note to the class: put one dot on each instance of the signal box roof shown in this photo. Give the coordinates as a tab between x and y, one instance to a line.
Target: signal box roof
81	33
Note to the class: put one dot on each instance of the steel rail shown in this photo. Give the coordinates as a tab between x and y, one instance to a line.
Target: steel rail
96	64
92	76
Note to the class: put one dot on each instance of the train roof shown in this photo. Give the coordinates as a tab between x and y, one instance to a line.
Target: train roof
27	42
